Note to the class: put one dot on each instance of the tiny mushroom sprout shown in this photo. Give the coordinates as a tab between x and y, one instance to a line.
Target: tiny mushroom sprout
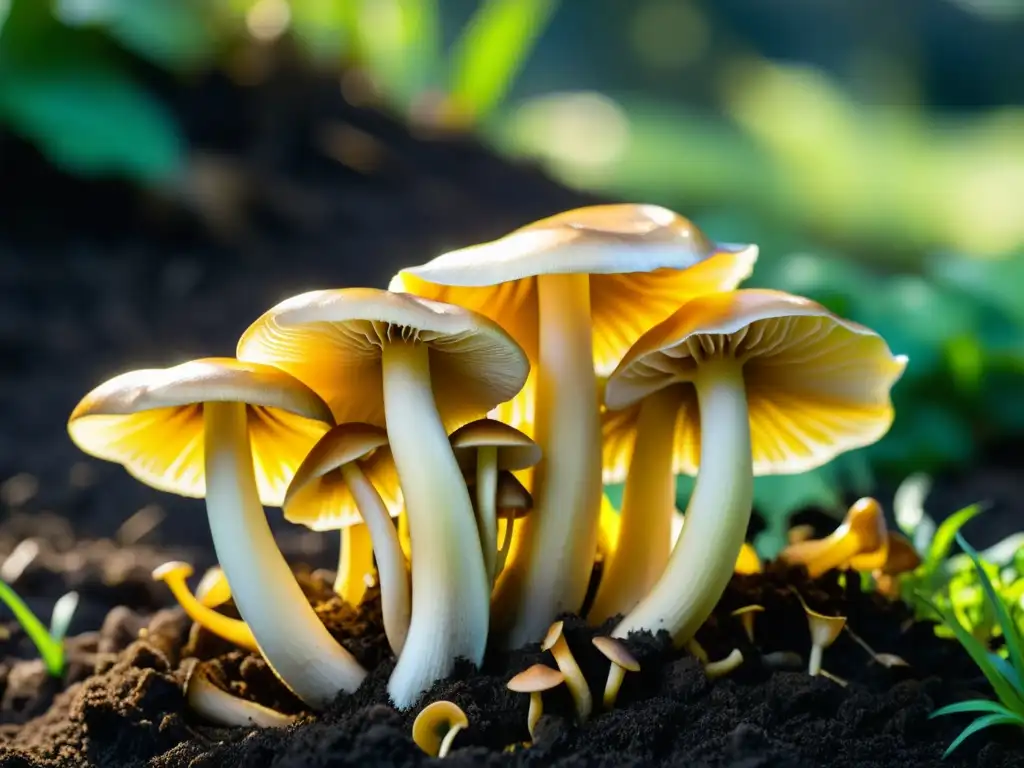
343	483
824	631
555	642
421	369
755	382
233	432
174	574
483	448
512	501
535	681
862	532
622	662
575	290
722	667
746	616
218	706
436	727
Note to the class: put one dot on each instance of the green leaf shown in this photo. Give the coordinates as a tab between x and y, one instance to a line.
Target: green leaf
170	33
90	118
942	542
980	724
979	653
975	705
51	651
1010	636
492	49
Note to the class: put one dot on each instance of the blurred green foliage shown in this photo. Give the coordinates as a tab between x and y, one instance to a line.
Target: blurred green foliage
890	214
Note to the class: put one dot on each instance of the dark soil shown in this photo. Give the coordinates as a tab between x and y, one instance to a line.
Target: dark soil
96	278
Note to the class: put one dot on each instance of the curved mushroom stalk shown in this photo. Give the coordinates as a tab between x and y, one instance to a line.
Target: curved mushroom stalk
395	599
716	517
291	637
487	513
449	581
648	507
174	574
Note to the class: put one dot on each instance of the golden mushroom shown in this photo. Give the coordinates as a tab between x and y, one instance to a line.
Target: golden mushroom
555	642
575	290
174	574
436	727
861	534
512	502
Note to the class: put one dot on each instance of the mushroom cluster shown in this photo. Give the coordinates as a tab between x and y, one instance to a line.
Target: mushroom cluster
457	429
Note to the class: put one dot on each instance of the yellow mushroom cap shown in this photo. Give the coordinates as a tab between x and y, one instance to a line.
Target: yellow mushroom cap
817	385
616	652
536	679
824	629
512	497
643	261
863	529
213	589
748	609
902	556
172	568
333	341
151	422
433	723
516	451
319	497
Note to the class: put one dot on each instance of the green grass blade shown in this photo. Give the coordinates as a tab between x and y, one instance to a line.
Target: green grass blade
1010	635
975	705
51	651
492	49
983	722
945	534
1008	672
980	654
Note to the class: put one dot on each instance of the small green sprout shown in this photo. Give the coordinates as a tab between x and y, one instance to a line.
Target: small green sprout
1004	674
50	642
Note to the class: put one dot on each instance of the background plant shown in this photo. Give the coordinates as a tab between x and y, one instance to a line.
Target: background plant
873	181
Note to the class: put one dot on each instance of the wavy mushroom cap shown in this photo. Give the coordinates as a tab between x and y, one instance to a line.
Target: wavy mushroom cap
333	340
151	422
817	385
319	497
643	262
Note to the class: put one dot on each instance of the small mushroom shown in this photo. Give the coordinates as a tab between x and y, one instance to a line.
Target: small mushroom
824	631
174	574
213	589
512	502
622	662
746	616
534	681
861	533
722	667
578	688
218	706
696	650
436	727
887	660
484	448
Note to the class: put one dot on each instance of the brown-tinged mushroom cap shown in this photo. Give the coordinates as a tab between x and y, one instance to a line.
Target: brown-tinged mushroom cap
902	555
536	679
333	341
151	422
862	534
512	499
515	450
817	384
318	496
643	261
616	652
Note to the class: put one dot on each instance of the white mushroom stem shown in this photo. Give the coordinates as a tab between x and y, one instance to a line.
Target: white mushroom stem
218	706
703	558
552	567
451	593
486	498
391	569
355	560
290	635
648	505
